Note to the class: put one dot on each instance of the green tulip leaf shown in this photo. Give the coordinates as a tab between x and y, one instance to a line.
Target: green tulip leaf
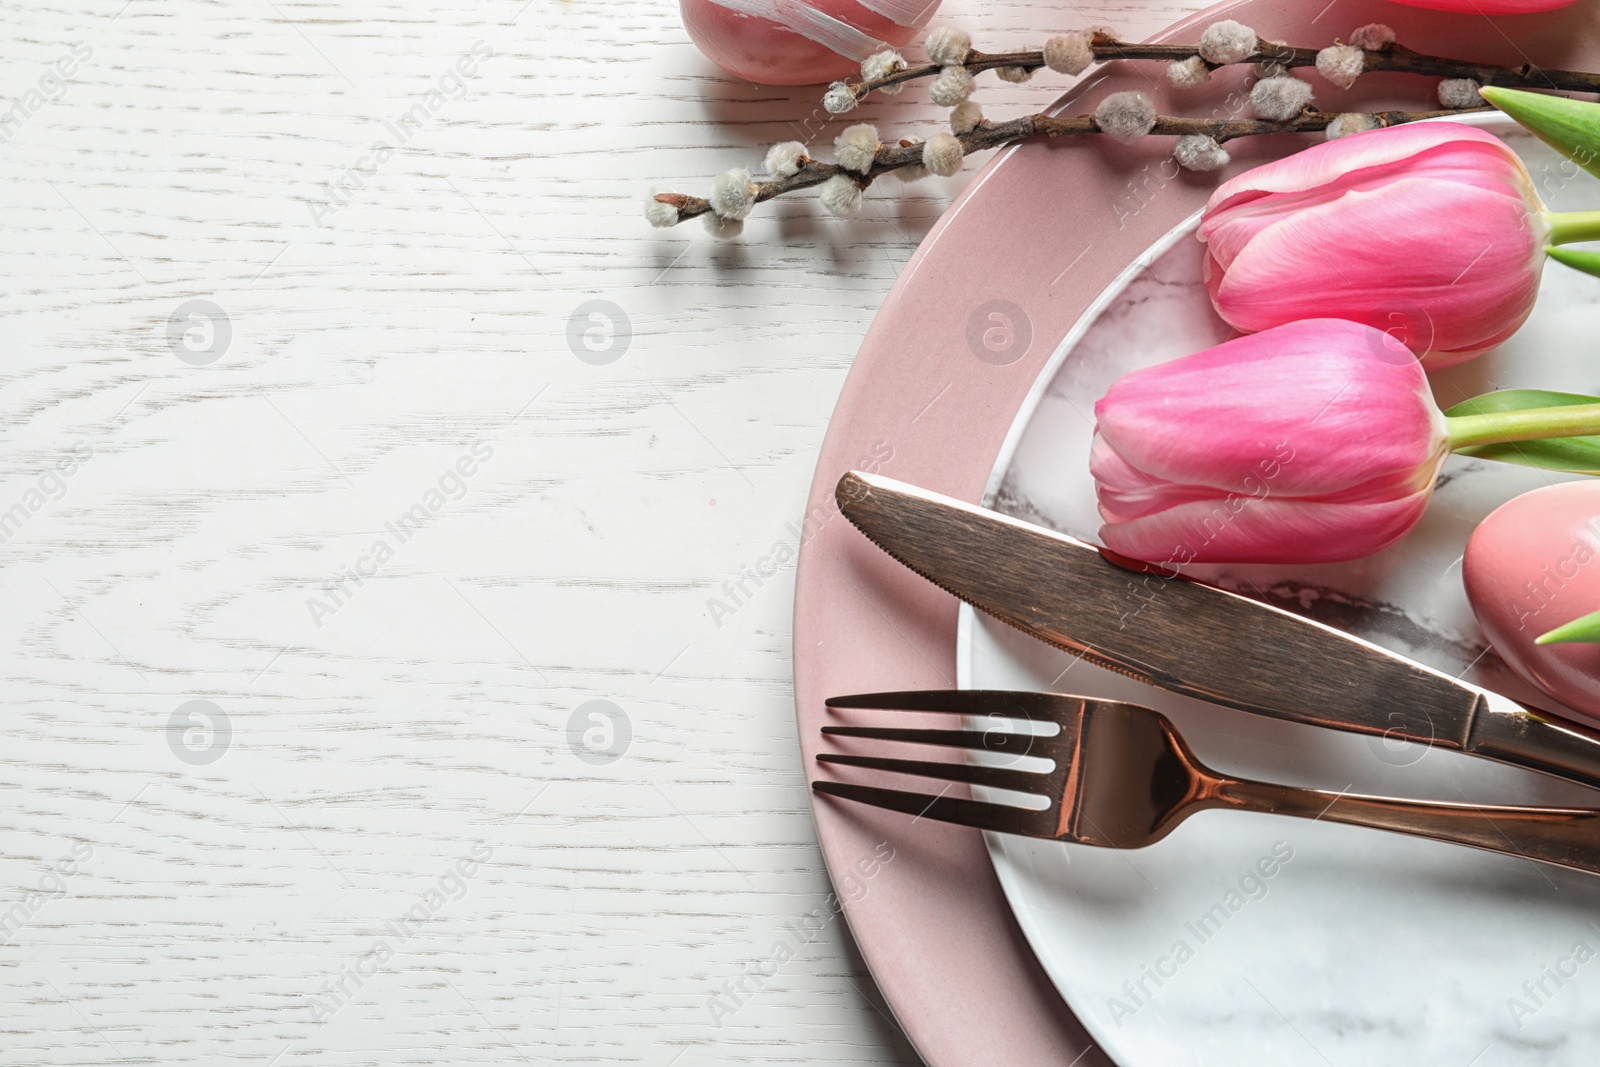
1574	455
1577	259
1586	630
1571	127
1519	400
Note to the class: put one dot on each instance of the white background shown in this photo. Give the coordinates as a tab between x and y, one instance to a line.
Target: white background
371	748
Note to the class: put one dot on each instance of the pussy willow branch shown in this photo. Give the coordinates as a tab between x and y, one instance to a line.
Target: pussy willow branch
1396	58
990	135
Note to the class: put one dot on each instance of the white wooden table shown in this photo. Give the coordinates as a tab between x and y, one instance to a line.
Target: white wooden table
321	536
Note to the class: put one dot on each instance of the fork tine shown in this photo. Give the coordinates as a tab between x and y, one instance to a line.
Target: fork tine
971	813
909	700
1000	743
1015	705
972	773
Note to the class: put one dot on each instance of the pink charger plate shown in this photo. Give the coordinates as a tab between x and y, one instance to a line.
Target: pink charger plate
933	392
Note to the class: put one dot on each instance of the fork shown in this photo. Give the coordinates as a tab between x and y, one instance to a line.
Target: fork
1123	777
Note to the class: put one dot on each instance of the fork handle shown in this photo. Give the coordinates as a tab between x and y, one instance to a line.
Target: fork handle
1566	837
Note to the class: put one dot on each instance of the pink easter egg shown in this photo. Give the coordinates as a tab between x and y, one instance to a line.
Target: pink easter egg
800	42
1533	565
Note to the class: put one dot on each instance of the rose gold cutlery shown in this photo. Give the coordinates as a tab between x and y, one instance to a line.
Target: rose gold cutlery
1198	640
1121	776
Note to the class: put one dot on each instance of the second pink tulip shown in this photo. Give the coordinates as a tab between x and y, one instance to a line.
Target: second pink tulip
1431	232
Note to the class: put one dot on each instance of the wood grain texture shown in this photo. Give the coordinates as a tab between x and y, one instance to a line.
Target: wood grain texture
169	526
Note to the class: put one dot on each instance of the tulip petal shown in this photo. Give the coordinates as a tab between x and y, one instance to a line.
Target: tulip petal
1316	407
1125	492
1230	225
1267	530
1452	270
1342	163
1261	200
1314	441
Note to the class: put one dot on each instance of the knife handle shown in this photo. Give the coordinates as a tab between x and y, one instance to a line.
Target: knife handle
1566	837
1501	729
1505	730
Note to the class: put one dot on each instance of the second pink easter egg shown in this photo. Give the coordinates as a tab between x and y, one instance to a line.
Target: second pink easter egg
1533	565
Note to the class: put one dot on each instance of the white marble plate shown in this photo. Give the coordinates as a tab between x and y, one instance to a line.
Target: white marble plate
1360	948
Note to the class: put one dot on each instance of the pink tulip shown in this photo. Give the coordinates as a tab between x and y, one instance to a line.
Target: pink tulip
1311	442
1430	231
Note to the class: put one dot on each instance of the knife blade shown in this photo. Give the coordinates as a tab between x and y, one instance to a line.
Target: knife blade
1199	640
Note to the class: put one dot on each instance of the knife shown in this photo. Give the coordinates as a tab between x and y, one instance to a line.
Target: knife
1198	640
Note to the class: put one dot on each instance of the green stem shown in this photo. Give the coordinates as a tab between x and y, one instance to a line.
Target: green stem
1569	226
1533	424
